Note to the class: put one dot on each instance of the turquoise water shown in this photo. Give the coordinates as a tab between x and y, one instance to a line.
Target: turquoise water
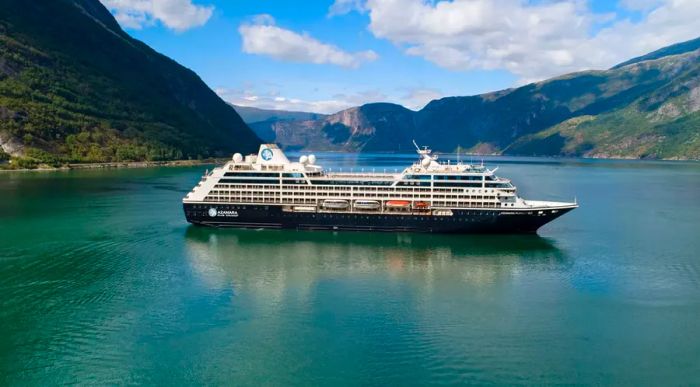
102	281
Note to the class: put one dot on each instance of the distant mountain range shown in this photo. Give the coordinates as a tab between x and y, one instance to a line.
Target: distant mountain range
75	87
263	121
647	107
251	114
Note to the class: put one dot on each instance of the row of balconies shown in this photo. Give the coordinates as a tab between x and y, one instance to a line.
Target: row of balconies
354	190
435	203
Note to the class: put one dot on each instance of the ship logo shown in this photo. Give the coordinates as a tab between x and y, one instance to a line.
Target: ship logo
212	212
266	154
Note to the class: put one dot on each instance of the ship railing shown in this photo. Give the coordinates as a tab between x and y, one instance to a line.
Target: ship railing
355	175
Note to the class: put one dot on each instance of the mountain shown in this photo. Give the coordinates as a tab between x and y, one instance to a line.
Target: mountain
371	127
263	121
251	114
674	49
75	87
647	108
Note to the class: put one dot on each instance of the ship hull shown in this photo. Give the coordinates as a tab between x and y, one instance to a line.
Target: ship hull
462	221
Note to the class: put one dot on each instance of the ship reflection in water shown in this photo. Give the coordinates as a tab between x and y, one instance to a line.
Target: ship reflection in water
250	259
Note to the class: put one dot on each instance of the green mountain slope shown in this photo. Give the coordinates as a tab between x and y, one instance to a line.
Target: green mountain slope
75	87
663	122
646	108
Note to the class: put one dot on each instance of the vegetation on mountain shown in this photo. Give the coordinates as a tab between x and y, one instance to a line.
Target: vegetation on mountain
74	87
647	108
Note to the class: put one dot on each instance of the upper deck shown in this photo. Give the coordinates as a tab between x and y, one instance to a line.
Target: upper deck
271	158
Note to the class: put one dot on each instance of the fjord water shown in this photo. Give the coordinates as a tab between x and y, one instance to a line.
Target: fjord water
103	281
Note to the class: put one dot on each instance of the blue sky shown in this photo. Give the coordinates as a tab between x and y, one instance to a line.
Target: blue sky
325	55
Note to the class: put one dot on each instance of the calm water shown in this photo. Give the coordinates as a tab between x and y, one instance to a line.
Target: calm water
102	281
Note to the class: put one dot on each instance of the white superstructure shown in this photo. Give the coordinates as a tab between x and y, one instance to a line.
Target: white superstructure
427	186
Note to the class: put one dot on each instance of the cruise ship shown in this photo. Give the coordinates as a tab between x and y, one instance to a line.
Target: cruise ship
269	191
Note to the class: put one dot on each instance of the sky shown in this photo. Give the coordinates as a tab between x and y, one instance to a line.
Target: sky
327	55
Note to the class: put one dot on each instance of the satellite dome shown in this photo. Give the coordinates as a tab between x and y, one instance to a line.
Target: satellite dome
303	159
312	159
425	162
237	158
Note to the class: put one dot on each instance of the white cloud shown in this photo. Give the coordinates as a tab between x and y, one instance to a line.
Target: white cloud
413	98
417	98
178	15
341	7
272	100
532	40
640	5
276	102
263	37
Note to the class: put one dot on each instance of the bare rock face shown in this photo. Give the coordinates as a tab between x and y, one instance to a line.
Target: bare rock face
370	127
666	111
353	119
6	69
694	100
10	145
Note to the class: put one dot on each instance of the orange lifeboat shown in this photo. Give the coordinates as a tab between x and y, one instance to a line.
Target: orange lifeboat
397	203
421	205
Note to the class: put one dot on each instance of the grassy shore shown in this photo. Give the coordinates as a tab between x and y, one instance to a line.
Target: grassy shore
8	167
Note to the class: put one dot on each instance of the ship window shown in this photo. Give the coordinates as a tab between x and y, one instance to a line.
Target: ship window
251	181
252	174
458	185
418	177
498	185
458	177
350	182
414	183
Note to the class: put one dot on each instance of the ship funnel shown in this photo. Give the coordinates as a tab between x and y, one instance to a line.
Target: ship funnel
271	154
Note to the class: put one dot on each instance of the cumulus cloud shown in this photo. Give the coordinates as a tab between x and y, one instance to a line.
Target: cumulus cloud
262	36
177	15
532	40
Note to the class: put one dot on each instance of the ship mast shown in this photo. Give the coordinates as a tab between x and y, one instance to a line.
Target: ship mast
425	152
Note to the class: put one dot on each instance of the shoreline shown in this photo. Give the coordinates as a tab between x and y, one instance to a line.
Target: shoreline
120	165
220	161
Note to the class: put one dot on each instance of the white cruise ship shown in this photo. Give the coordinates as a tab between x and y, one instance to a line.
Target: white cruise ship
269	191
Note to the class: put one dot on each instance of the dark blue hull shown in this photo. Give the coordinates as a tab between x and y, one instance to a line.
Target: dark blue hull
462	221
